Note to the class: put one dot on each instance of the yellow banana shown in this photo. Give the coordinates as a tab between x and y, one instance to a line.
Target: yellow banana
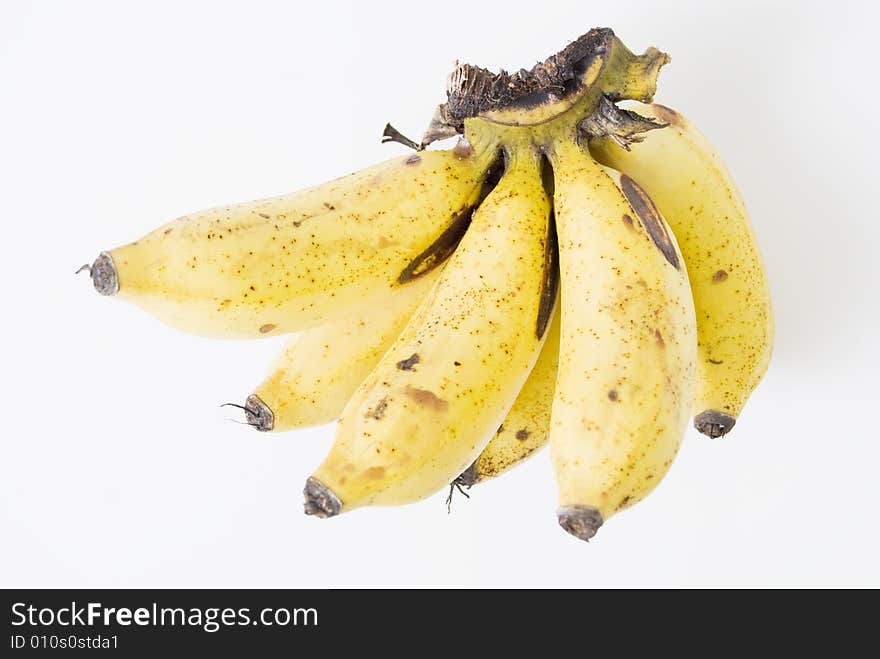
296	261
320	368
684	175
628	345
441	391
526	427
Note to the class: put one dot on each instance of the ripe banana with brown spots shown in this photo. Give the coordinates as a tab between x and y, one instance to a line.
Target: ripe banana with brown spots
438	395
292	262
436	287
628	345
320	368
687	179
526	427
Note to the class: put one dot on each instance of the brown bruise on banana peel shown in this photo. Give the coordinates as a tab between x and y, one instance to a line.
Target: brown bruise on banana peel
408	364
651	219
426	398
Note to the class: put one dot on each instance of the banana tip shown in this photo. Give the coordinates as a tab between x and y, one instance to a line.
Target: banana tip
713	423
320	500
103	274
580	521
258	414
467	478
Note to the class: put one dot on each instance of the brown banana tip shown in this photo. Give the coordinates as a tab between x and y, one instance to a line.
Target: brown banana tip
103	274
467	478
258	414
320	500
713	423
580	521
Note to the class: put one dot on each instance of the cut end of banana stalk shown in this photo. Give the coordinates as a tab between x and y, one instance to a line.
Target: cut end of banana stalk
320	500
580	521
103	274
258	414
714	424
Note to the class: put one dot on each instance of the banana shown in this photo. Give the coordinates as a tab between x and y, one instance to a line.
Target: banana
627	347
684	175
434	401
526	427
319	369
292	262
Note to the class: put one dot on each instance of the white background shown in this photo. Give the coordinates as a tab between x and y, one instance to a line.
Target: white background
119	468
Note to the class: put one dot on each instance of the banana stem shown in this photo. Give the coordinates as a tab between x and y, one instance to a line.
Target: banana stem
572	82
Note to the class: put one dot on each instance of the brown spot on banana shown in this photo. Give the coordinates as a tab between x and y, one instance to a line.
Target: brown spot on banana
522	434
413	159
375	472
658	336
426	398
377	412
628	221
613	395
441	249
720	276
409	363
268	327
651	219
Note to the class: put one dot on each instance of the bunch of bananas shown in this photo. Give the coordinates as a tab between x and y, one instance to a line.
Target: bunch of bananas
572	272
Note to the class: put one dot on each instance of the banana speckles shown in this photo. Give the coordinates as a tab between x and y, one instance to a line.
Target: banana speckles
522	434
719	276
268	327
651	219
426	398
378	411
